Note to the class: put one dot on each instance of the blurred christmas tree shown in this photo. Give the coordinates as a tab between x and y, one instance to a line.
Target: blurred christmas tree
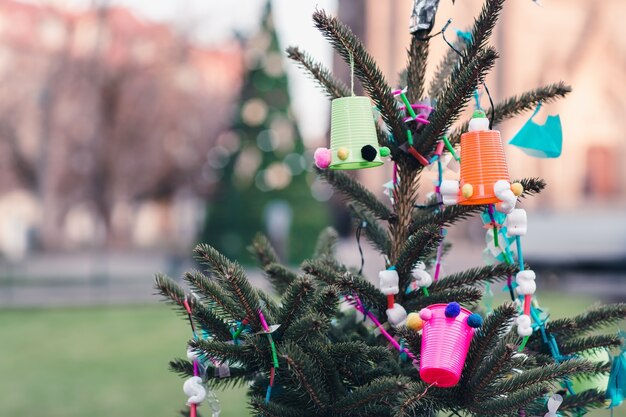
264	185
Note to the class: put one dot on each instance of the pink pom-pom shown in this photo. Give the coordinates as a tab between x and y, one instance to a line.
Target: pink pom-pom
426	314
322	157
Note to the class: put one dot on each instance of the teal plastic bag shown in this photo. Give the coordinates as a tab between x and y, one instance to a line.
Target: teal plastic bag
540	141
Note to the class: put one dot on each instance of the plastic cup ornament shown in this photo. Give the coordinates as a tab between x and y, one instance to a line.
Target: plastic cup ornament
353	139
483	163
446	336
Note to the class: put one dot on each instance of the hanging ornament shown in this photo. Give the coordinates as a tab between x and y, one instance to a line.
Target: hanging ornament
484	173
553	405
540	141
616	388
446	335
353	137
483	164
423	17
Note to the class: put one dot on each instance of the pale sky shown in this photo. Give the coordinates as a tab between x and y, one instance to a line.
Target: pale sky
211	21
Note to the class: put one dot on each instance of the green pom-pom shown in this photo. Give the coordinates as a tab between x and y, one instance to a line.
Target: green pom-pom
384	151
479	114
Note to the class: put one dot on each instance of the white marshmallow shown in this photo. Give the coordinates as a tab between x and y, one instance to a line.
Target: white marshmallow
194	390
505	206
191	354
553	405
389	281
449	190
526	282
477	124
396	316
502	190
523	326
516	223
421	277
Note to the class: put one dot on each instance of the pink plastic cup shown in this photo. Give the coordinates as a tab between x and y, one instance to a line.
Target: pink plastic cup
445	342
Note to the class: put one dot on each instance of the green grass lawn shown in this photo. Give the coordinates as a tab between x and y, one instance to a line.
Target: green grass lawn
97	362
106	362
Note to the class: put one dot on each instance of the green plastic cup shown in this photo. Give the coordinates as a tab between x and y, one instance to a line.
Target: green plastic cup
353	134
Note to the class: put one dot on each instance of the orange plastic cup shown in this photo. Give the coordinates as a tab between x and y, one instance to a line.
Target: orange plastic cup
482	164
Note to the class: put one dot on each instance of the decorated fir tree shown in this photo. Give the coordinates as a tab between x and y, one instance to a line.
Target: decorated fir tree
266	175
302	349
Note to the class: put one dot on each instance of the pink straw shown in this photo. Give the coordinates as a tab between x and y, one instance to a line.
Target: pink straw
359	306
263	322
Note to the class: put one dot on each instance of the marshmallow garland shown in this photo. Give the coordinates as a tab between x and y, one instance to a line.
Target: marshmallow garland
193	386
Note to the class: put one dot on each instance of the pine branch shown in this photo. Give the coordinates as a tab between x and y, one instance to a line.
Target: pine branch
322	360
444	69
332	272
303	372
582	344
233	275
333	87
417	247
296	301
310	326
353	351
413	401
481	32
483	26
320	269
463	295
412	338
326	301
170	290
445	217
182	367
350	48
211	322
590	320
274	409
493	366
574	404
268	305
500	405
463	82
224	352
546	374
531	186
373	230
516	105
356	191
212	293
416	70
326	242
238	376
280	276
362	398
495	326
263	251
475	276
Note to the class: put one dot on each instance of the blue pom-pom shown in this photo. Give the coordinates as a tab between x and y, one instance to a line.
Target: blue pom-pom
452	310
474	320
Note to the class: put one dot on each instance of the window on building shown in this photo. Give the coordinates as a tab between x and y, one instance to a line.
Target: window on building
601	173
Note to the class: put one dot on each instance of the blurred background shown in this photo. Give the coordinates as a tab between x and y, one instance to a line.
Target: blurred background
131	130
